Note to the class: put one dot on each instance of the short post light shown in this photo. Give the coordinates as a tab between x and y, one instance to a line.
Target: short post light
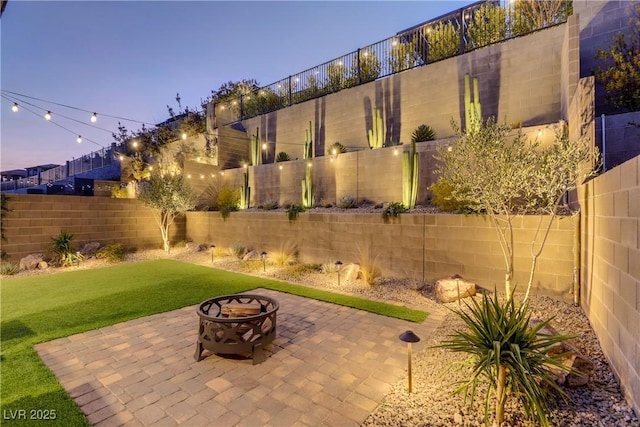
78	256
339	267
213	251
409	337
263	255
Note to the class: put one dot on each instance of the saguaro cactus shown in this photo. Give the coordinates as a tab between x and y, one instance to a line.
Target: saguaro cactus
472	109
308	143
410	172
245	192
256	155
376	134
308	189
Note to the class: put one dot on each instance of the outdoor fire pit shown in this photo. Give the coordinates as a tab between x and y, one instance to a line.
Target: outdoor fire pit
236	324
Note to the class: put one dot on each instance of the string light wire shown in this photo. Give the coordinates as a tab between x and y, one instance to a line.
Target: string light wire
60	126
92	112
22	102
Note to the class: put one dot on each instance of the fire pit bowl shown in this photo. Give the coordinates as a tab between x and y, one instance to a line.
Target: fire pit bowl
236	324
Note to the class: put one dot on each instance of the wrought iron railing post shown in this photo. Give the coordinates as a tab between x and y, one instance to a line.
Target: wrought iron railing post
290	94
462	30
358	63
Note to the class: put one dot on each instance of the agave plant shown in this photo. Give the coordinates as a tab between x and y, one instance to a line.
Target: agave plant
61	245
423	133
509	354
282	157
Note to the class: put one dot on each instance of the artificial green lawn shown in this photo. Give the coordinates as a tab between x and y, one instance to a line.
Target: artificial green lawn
42	308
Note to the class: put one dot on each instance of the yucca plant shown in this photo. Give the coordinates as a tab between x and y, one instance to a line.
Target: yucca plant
509	354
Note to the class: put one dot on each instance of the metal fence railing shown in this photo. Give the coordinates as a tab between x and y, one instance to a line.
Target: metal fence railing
463	30
86	163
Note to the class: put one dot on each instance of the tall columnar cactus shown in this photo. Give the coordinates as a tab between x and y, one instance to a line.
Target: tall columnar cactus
410	172
256	155
308	190
472	109
308	143
376	134
245	192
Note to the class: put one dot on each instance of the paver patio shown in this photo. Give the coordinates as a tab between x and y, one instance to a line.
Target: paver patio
329	365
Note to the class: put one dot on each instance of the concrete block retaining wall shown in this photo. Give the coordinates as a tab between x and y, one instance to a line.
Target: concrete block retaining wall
34	219
610	260
519	82
423	246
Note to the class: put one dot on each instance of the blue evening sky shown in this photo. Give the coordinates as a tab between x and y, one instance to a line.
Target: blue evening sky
129	59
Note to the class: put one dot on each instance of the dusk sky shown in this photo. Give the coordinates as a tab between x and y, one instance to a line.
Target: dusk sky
129	59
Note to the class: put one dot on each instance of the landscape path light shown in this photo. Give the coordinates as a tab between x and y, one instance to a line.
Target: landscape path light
263	255
339	267
409	337
213	248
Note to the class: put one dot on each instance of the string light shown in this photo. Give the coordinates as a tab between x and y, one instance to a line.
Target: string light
79	139
17	96
15	107
47	116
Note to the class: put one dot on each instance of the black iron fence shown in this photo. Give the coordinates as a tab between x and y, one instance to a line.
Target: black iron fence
86	163
463	30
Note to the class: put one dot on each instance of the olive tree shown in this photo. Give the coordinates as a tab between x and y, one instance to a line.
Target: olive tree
167	195
504	175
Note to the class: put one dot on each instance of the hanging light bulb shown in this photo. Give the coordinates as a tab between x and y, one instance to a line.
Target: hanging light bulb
48	115
79	139
184	135
15	107
94	118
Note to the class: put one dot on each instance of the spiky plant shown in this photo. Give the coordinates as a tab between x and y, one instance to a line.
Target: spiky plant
61	246
509	354
423	133
282	157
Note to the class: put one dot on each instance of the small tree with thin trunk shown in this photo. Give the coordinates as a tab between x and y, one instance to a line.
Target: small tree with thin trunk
167	195
505	176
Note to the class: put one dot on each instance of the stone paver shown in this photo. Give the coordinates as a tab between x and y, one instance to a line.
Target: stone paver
329	365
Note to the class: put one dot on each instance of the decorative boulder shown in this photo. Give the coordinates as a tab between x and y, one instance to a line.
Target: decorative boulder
454	288
31	261
88	250
42	265
195	247
581	366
